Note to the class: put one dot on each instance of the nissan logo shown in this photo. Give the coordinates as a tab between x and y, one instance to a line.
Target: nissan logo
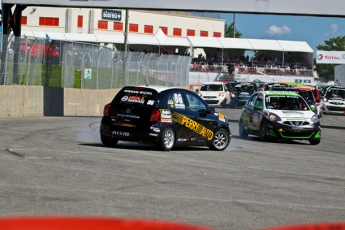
128	110
343	56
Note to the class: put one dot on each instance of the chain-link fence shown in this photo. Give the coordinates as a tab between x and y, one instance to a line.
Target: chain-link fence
36	61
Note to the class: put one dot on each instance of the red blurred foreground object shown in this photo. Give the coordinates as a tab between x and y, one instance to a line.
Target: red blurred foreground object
85	223
311	226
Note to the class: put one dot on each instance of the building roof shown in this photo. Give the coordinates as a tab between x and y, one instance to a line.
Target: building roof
160	39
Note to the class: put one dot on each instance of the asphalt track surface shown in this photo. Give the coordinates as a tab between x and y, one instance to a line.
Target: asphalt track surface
58	166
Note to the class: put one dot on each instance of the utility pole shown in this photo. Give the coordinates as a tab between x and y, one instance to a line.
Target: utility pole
126	41
234	20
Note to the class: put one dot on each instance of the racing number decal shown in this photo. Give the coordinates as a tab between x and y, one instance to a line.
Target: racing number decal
178	98
179	104
193	125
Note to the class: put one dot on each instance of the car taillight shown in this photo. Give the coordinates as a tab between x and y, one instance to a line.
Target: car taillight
155	115
106	111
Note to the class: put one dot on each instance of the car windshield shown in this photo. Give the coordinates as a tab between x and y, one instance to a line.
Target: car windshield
285	102
211	87
336	93
307	95
244	88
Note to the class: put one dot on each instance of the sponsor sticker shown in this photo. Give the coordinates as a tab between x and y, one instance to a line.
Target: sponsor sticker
166	115
138	92
136	99
127	115
153	134
124	125
193	125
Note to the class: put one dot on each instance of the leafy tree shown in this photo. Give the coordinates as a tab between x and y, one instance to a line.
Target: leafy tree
229	31
326	71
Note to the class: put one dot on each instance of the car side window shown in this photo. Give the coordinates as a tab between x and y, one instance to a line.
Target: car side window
252	100
175	100
259	100
195	104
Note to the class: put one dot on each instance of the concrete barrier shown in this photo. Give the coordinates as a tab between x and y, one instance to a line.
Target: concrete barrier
86	102
21	101
31	101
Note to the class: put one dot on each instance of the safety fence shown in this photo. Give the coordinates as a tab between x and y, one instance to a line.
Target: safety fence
37	61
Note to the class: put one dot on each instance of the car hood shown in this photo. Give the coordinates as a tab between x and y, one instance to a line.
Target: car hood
286	114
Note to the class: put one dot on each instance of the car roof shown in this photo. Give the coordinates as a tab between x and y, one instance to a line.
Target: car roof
213	83
306	88
158	88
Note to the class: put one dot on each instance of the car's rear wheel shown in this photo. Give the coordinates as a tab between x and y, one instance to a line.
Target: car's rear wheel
167	140
315	142
262	132
241	130
108	141
221	140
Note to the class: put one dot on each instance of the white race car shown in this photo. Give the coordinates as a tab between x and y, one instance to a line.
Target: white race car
279	115
215	93
334	100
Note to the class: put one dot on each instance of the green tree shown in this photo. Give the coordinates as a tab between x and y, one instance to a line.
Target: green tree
229	31
326	71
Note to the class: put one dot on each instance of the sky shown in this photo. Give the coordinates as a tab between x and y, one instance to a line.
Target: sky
313	30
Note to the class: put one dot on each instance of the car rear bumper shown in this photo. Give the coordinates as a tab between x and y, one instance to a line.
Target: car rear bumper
143	134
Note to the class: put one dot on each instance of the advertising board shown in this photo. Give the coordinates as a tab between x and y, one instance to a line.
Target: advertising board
330	57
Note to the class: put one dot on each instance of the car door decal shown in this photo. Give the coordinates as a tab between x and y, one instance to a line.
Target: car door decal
193	125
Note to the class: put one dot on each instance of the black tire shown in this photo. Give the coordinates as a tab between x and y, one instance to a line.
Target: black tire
221	140
242	132
223	104
315	142
262	132
108	141
167	140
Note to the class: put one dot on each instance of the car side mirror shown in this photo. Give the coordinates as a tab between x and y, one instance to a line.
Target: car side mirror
211	110
257	107
312	108
202	112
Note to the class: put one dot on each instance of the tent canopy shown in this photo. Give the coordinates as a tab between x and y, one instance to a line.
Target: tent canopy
160	39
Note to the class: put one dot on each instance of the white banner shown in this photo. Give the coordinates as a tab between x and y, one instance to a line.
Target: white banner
330	57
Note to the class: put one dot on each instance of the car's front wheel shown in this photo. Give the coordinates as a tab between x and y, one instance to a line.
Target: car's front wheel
167	140
108	141
242	132
262	132
221	140
315	142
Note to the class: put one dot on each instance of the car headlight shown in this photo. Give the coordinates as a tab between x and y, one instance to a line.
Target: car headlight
199	94
273	117
314	118
325	99
233	95
221	94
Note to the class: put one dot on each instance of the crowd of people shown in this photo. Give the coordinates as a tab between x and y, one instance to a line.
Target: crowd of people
246	65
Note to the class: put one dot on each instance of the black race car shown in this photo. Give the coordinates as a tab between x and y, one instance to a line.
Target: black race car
166	117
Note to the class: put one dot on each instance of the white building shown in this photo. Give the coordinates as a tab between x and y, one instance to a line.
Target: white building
107	21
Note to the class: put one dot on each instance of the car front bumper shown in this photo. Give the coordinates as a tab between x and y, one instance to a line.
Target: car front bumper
333	109
281	131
